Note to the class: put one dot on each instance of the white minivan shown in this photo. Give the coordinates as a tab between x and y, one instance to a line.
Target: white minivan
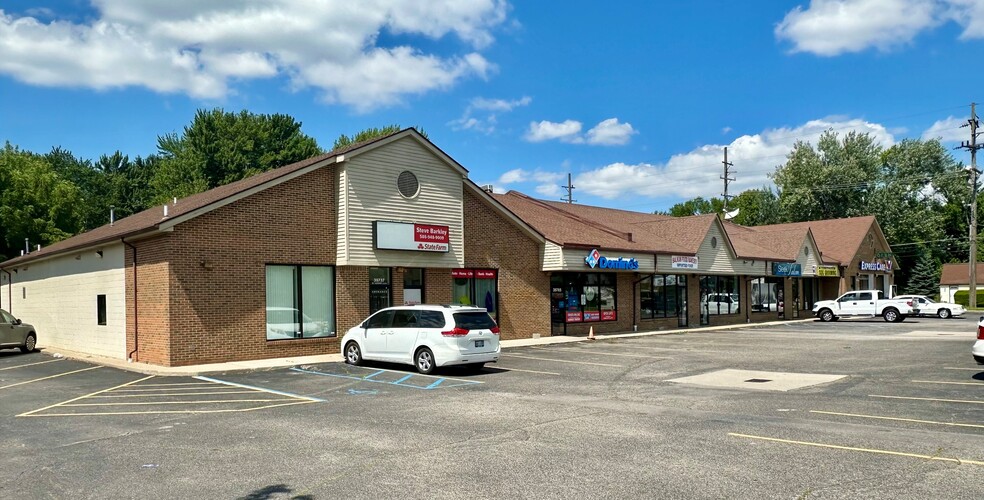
426	336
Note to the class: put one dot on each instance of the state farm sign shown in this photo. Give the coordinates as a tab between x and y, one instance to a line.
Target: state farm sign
409	236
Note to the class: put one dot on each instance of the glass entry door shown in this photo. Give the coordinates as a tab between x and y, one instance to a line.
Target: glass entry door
380	288
558	304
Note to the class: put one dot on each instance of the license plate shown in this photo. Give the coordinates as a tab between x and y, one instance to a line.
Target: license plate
479	343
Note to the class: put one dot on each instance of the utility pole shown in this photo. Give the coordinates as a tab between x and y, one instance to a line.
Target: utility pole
570	191
972	146
727	178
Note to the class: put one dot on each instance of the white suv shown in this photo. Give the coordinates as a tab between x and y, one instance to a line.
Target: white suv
978	349
426	336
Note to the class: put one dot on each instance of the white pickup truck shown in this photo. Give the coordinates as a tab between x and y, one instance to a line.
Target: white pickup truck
864	303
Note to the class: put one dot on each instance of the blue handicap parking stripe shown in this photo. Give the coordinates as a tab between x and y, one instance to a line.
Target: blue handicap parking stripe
439	383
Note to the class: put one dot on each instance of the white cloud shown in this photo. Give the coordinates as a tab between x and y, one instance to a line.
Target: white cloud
948	130
487	123
611	133
513	176
566	131
606	133
697	173
832	27
725	130
197	48
548	190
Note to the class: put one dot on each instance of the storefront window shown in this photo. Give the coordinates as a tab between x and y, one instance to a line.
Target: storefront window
475	287
766	294
719	295
587	296
413	286
662	296
300	302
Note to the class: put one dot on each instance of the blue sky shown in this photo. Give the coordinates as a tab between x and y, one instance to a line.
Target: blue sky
635	99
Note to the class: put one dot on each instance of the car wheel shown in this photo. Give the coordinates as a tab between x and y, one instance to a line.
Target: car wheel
979	359
424	361
29	344
901	318
826	315
943	313
353	355
891	315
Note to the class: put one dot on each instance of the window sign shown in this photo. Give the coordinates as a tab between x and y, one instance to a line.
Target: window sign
409	236
827	271
786	269
683	262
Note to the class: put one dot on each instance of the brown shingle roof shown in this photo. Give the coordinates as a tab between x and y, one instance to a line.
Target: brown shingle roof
149	220
959	274
837	239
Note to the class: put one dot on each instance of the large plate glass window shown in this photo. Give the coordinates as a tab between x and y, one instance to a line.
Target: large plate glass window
766	294
585	297
663	296
413	286
300	302
476	287
719	295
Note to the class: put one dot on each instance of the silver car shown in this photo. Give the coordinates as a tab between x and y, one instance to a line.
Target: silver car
14	333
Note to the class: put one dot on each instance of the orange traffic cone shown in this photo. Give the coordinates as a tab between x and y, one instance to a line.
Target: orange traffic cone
591	333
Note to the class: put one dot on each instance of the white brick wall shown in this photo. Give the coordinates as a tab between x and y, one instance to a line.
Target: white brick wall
58	297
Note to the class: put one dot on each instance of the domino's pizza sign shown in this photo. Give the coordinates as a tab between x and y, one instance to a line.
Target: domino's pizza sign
596	260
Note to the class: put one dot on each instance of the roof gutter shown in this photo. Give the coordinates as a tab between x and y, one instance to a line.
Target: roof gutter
129	355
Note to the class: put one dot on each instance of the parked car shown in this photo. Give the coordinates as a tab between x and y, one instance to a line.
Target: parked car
864	303
16	334
929	308
978	349
720	303
426	336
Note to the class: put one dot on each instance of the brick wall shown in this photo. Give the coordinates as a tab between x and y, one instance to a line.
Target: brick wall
148	327
218	271
492	241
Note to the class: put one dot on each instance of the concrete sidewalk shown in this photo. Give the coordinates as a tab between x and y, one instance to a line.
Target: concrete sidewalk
274	363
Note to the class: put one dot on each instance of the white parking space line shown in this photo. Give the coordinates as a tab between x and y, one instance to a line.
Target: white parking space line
853	448
29	364
271	391
945	382
981	369
560	360
582	350
976	402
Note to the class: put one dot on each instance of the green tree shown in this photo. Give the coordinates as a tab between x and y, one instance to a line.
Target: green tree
756	207
829	182
925	276
369	134
35	202
220	147
695	206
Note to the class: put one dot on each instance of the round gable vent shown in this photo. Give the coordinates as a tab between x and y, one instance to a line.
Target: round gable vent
407	184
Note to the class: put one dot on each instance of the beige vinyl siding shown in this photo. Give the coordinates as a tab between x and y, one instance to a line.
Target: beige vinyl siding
721	259
370	194
342	253
58	297
572	259
553	259
809	262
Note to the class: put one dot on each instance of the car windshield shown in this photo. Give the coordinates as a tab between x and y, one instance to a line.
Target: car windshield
473	320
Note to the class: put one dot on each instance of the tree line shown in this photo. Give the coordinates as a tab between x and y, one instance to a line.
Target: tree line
918	191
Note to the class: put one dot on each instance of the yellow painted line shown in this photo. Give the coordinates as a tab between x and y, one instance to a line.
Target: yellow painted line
182	412
181	402
159	389
174	384
51	377
943	382
898	419
972	401
29	364
31	413
526	371
863	450
589	351
559	360
170	394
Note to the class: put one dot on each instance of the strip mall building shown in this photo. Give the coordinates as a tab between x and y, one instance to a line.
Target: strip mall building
284	262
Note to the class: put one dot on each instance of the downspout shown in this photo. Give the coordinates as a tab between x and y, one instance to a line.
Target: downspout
129	355
10	286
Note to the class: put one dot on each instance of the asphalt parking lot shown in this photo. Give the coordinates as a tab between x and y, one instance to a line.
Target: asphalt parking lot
852	409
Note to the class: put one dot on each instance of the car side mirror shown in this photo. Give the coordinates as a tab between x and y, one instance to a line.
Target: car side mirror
17	322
